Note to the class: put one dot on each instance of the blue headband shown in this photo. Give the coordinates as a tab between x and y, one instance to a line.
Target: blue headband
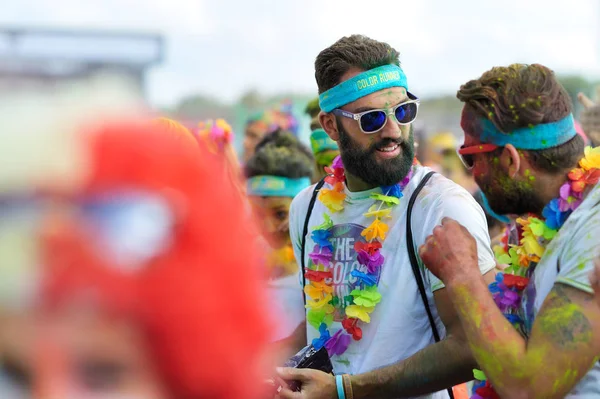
276	186
488	209
536	137
362	85
320	141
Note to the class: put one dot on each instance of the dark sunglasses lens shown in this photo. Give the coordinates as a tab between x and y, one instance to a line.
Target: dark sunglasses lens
372	121
468	160
406	113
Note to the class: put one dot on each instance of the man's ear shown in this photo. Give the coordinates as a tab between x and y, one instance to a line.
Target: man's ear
510	160
328	122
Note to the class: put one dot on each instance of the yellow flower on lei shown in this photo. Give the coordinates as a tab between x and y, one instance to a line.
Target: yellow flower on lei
360	312
377	229
378	213
529	242
322	303
334	198
316	289
591	159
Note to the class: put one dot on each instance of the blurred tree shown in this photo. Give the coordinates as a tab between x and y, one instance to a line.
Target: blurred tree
199	107
251	100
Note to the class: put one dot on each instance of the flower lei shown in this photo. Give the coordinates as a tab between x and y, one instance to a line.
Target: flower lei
321	306
534	236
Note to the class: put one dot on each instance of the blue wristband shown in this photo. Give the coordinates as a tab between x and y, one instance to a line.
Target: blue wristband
339	383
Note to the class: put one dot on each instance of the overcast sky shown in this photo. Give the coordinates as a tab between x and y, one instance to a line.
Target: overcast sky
224	47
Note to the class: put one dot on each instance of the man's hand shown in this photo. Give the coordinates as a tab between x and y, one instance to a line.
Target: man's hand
315	384
450	252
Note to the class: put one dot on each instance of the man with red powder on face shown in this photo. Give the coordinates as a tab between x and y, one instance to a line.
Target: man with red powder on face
535	332
364	303
141	295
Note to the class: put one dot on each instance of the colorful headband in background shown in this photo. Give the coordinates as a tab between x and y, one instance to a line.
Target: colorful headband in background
320	141
276	186
363	84
280	117
538	137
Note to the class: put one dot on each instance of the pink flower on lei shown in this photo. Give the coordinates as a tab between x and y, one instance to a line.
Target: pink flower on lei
569	200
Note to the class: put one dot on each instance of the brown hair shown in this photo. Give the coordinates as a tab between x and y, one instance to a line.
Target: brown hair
356	51
281	154
520	96
590	122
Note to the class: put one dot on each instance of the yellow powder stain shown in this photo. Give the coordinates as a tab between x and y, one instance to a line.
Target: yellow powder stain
567	379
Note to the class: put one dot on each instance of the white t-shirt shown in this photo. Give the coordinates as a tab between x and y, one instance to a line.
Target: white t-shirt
569	259
399	325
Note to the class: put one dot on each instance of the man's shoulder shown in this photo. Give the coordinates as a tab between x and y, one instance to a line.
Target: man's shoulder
440	190
303	197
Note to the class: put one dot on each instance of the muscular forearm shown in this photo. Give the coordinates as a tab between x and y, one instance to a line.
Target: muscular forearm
496	345
560	348
435	368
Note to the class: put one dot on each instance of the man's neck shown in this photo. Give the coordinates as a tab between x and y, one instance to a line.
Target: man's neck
355	184
548	186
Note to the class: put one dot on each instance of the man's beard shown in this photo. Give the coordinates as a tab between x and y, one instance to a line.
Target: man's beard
507	196
362	163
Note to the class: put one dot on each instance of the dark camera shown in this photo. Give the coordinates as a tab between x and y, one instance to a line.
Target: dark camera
309	358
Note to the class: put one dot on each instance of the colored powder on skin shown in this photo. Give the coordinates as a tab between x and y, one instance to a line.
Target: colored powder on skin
464	294
509	184
527	172
496	160
567	325
568	379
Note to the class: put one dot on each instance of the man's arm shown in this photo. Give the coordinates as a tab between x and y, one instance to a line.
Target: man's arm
435	368
565	338
564	343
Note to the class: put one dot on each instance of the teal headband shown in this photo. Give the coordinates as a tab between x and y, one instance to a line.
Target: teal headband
362	85
488	209
276	186
320	141
536	137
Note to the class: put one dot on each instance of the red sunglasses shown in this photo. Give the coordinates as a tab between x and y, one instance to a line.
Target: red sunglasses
466	153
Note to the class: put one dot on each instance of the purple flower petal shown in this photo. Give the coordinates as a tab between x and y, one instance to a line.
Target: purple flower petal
363	257
337	163
322	257
372	262
565	191
338	344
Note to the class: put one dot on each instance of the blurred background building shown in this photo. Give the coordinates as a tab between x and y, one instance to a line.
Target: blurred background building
39	59
231	59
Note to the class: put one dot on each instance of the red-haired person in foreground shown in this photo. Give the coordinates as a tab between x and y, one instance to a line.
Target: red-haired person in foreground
150	285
